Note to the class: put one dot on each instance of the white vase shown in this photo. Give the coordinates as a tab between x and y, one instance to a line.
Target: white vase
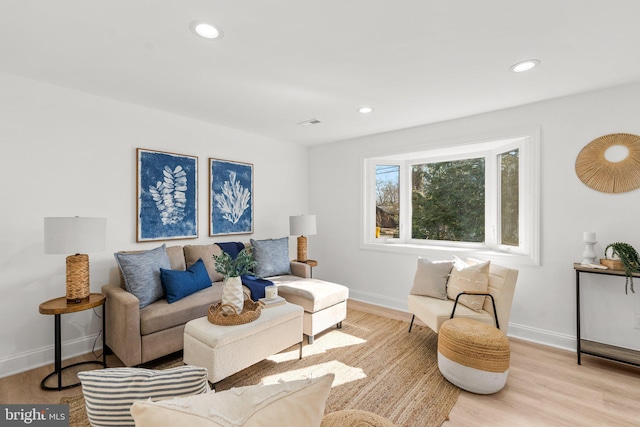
232	294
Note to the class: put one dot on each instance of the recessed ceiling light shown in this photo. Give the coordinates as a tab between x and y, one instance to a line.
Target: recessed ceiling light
205	29
523	66
365	110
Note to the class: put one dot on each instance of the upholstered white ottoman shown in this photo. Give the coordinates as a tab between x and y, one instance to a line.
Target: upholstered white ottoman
225	350
324	303
473	355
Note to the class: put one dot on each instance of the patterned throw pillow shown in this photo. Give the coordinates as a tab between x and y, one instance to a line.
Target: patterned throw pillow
293	403
465	277
141	272
109	393
272	257
431	278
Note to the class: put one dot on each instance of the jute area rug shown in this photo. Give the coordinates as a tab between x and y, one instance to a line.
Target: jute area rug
379	367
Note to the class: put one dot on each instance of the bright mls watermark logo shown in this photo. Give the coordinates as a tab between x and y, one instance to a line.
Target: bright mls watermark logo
34	415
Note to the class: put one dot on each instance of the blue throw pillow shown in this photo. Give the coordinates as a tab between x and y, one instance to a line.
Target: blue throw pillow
179	284
272	257
141	272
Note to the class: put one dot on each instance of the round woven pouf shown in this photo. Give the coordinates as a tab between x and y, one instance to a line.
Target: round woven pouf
473	355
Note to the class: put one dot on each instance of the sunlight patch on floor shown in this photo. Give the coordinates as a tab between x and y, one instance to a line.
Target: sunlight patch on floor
344	373
322	344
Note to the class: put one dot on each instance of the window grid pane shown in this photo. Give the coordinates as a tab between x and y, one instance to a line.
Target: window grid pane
387	201
509	198
448	200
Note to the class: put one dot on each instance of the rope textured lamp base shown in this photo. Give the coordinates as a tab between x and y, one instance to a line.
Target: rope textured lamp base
302	249
78	289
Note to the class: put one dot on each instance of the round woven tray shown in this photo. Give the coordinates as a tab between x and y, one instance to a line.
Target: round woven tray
250	312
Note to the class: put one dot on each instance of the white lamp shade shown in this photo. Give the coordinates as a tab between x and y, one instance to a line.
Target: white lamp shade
74	235
302	225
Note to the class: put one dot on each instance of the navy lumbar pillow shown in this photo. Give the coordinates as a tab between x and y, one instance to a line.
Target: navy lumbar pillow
179	284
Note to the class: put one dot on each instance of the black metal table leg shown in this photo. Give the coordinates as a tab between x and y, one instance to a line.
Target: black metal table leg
578	349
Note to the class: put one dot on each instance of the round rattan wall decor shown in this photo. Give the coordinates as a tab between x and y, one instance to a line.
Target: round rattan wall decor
596	171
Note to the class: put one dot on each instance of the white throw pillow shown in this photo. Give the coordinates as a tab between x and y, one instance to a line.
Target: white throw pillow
466	277
293	403
431	278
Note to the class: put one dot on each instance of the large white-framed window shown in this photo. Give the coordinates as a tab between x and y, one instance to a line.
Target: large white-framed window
481	195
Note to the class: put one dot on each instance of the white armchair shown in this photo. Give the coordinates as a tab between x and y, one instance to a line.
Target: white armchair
434	311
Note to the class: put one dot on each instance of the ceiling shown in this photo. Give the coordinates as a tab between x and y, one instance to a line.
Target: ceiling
282	62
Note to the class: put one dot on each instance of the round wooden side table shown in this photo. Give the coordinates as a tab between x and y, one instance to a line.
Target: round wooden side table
57	307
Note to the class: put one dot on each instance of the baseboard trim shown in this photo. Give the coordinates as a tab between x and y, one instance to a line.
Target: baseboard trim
521	332
379	300
28	360
544	337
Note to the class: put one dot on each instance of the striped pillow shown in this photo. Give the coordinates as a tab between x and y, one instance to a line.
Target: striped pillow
109	393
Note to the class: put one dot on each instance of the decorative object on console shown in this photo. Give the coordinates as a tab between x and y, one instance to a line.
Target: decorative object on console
302	226
75	235
629	258
232	268
167	196
611	163
589	253
230	197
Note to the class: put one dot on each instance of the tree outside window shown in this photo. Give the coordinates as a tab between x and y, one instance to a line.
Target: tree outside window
448	200
387	201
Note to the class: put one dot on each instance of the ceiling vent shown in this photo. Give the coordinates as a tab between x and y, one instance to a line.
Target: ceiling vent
310	122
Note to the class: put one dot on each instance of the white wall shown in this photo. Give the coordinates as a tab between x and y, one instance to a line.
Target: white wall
544	304
67	153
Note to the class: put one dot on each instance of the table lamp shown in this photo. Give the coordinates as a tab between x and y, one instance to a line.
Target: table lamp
302	225
75	235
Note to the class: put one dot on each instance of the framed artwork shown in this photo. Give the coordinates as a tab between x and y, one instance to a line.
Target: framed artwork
167	196
230	197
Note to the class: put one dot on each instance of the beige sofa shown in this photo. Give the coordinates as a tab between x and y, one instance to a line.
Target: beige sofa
139	335
434	311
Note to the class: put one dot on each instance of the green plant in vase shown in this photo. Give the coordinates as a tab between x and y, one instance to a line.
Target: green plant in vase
629	258
232	268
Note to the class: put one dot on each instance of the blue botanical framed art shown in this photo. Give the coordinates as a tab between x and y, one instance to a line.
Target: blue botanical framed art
230	197
167	205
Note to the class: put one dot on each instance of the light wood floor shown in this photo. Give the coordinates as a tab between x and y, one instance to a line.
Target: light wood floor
545	387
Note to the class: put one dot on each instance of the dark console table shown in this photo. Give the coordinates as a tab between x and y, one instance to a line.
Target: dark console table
594	348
